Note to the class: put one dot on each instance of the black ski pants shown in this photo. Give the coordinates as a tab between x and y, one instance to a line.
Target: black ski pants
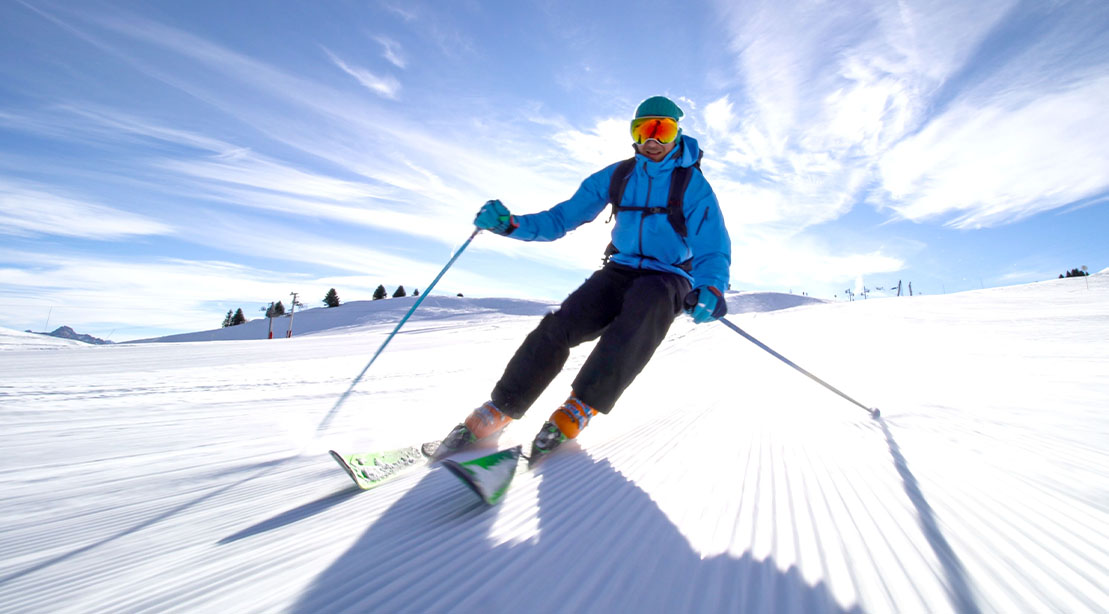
629	309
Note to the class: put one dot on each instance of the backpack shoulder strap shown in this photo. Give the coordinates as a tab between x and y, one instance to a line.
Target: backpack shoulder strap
616	186
675	201
619	182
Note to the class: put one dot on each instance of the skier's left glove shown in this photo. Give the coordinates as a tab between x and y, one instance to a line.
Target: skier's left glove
705	304
495	216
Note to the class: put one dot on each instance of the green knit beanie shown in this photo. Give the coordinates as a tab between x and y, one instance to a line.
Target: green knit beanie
659	106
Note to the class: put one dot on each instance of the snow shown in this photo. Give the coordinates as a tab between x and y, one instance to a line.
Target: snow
189	477
338	320
16	340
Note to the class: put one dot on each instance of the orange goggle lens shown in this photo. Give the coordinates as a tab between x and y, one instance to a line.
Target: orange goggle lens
662	129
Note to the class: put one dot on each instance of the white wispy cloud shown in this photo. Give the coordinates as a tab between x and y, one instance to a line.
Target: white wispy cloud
73	289
719	118
386	86
935	110
345	131
981	166
116	124
226	79
257	171
830	89
392	51
28	210
608	141
96	125
406	12
803	265
429	185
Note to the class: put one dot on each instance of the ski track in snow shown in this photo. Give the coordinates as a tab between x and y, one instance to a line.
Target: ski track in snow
186	477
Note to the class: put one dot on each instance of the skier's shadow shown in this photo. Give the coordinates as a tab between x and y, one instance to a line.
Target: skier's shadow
601	544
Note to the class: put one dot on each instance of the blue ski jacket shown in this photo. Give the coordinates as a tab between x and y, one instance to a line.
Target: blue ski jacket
648	241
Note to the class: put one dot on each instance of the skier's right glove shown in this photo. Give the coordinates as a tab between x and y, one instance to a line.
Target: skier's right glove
705	304
494	216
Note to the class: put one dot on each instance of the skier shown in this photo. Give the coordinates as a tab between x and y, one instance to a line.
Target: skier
660	261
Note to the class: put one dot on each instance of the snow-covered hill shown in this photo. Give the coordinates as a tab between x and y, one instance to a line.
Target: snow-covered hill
337	320
169	477
364	313
18	340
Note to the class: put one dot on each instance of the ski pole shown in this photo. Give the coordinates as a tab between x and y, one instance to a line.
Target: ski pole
873	411
331	414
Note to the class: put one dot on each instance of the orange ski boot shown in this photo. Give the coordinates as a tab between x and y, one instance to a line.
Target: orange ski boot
483	422
567	422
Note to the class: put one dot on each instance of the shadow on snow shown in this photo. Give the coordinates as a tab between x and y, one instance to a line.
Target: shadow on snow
955	575
602	545
294	515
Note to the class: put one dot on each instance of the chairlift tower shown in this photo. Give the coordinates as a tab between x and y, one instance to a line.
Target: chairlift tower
292	312
269	316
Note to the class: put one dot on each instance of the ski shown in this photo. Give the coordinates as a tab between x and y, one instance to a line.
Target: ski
373	469
488	476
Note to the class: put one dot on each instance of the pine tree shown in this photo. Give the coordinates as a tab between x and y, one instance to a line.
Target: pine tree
332	298
400	292
416	292
227	319
238	318
380	293
278	309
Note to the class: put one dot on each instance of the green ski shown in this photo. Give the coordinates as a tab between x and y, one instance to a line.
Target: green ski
488	476
375	468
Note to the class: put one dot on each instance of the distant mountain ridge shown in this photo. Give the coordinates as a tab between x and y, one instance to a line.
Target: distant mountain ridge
65	332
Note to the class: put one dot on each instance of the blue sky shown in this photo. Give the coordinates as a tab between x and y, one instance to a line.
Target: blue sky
163	162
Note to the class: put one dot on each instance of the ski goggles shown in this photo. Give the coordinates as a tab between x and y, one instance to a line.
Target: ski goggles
662	129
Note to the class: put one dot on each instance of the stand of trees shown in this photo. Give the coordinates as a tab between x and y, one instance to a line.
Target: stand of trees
276	309
234	318
1075	273
381	292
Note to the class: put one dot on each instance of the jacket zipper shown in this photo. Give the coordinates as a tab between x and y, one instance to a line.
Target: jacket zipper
643	214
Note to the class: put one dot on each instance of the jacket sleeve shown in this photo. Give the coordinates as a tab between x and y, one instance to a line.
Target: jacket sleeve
584	206
708	237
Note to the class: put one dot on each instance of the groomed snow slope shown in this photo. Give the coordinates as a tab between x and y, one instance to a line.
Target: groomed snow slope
187	478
